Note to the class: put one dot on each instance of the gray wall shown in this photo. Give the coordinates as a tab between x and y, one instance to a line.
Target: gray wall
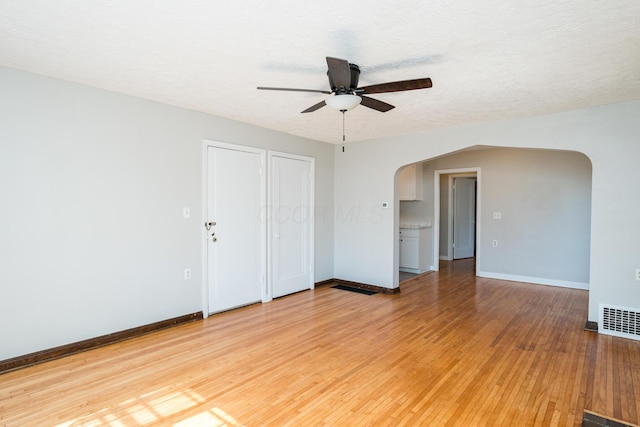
92	185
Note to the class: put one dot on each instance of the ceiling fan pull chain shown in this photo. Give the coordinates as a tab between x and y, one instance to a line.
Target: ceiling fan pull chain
343	139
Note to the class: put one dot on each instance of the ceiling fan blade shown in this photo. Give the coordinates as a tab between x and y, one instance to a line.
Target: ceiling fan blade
397	86
339	72
376	104
315	107
293	90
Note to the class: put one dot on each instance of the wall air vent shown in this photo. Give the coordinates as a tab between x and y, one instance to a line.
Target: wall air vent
620	321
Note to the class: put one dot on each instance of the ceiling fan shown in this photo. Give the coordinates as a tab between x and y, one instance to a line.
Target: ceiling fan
343	81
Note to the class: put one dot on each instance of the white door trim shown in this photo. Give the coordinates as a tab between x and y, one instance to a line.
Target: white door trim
270	155
263	229
436	212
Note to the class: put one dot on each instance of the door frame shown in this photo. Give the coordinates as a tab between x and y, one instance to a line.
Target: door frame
312	183
436	210
263	228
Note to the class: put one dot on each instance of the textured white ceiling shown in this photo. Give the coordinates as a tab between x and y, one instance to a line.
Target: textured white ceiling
488	60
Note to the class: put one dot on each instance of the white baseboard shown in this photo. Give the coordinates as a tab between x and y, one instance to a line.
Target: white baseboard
534	280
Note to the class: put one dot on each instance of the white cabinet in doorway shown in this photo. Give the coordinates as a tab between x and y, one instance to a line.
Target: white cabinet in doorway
415	249
410	182
409	249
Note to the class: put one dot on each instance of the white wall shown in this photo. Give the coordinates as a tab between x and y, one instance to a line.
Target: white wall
544	197
92	185
609	136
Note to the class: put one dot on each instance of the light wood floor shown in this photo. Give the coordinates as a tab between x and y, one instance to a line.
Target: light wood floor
450	349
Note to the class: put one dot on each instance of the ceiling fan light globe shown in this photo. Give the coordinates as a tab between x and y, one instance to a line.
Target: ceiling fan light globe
344	102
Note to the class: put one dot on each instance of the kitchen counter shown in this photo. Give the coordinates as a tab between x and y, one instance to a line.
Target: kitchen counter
418	225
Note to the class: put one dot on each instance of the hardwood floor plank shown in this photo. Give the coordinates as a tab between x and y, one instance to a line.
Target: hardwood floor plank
450	349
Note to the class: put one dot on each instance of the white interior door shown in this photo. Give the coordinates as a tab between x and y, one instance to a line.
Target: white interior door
464	217
291	223
236	248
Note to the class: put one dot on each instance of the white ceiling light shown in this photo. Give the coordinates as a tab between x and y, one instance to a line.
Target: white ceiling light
343	102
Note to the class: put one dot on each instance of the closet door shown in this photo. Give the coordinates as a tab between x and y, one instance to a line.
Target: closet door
236	245
291	223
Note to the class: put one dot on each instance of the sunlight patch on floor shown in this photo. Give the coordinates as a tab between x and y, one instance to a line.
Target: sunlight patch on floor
155	407
215	417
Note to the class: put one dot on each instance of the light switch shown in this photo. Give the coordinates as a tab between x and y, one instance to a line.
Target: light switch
186	212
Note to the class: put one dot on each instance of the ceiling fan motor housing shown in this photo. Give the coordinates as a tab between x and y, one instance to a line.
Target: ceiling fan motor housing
355	77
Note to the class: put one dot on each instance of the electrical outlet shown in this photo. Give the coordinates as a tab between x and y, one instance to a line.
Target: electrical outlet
638	274
497	215
494	243
187	274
